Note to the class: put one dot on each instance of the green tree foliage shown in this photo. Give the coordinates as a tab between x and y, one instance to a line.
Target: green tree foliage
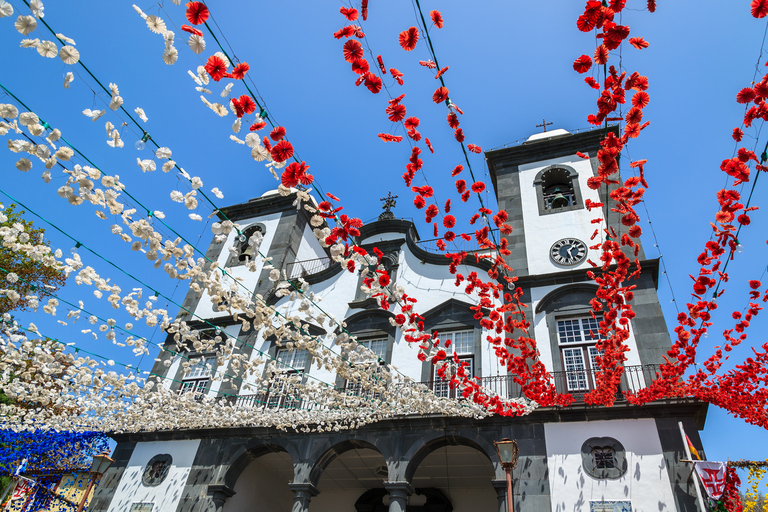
35	278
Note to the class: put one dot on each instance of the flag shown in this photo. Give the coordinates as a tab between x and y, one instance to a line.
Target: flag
712	475
694	451
22	468
21	490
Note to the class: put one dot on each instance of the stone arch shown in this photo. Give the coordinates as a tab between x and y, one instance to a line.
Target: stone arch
329	455
419	452
250	452
563	178
582	289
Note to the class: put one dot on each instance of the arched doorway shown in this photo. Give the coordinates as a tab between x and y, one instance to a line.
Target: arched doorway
345	473
457	468
263	485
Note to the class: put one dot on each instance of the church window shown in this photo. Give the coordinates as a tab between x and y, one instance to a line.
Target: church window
557	189
290	364
461	343
370	358
577	338
604	458
246	246
198	377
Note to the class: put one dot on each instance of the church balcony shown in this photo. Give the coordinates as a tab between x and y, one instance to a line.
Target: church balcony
307	267
578	383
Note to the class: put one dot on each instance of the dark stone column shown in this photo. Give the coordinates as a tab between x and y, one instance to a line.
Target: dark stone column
302	495
501	493
398	495
219	495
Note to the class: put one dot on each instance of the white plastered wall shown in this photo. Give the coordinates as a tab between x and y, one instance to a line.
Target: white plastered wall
248	279
541	231
165	496
645	484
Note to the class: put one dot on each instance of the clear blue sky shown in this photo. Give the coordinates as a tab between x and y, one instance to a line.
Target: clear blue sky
510	66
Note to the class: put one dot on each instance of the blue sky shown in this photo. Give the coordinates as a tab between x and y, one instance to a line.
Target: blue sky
510	66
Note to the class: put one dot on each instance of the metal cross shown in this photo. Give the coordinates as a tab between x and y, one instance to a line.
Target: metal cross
389	201
544	124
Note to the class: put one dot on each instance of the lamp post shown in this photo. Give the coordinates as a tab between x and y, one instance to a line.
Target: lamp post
98	467
508	451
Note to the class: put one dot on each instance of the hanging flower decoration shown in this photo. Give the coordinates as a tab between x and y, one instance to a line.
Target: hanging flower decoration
349	13
197	13
216	67
440	95
409	38
282	151
437	18
353	50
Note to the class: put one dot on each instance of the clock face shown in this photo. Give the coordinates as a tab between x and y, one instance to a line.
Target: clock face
568	251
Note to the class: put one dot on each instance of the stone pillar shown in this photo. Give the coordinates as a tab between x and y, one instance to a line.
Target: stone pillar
219	495
501	493
302	494
398	495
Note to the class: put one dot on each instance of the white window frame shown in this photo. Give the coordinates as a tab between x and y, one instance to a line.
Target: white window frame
198	377
290	362
466	354
576	339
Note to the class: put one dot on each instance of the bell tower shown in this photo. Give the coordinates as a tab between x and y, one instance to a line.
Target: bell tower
543	186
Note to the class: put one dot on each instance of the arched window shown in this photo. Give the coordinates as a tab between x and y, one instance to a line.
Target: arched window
246	245
557	189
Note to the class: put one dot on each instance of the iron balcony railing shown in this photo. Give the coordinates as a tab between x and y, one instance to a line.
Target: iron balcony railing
307	267
578	383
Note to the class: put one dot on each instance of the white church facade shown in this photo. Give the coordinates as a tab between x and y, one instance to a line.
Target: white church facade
573	459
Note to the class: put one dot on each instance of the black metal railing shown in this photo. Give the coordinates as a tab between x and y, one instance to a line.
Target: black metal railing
307	267
578	383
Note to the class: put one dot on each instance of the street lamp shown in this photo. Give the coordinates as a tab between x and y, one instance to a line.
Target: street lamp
98	467
508	451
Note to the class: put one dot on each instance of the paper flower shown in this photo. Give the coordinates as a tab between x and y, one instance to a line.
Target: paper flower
437	18
24	164
48	49
440	95
397	75
759	8
282	151
215	66
191	30
69	55
196	43
240	70
170	55
140	112
349	13
353	50
197	12
6	9
25	24
582	64
360	66
409	38
396	113
259	153
277	133
386	137
156	24
373	83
